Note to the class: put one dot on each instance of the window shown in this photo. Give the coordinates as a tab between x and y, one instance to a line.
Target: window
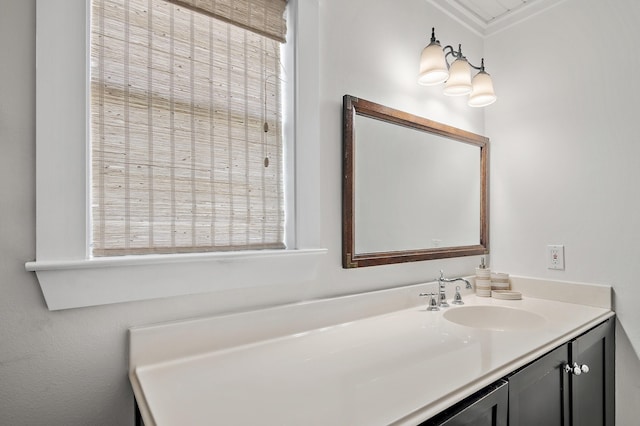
186	126
69	274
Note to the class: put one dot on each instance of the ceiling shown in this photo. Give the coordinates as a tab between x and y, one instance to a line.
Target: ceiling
486	17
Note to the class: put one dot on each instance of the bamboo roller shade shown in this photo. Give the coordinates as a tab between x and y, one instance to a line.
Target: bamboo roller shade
180	101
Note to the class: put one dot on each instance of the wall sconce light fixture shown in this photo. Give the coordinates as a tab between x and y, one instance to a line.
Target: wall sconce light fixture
435	69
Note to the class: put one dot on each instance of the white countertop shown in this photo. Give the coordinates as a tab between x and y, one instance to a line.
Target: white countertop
396	368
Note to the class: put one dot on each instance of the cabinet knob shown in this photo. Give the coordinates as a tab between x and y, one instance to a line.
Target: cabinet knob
576	369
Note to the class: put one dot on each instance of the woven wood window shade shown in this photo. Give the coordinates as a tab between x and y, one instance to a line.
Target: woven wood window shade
186	126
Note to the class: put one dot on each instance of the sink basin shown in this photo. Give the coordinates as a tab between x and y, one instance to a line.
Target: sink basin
498	318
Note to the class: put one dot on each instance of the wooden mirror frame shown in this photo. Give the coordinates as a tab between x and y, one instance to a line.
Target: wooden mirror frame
350	259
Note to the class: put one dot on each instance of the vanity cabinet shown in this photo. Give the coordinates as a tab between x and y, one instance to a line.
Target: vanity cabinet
485	408
547	392
374	365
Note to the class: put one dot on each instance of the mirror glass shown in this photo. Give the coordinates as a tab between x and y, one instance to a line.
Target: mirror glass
413	189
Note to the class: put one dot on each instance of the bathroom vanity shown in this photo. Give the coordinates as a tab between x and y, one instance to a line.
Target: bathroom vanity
572	384
380	358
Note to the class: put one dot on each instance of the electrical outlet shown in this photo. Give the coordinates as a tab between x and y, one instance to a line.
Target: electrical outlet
555	257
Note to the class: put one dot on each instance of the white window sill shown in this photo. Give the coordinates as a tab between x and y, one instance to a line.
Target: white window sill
99	281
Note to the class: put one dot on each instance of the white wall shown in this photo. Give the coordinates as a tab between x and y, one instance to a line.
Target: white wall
69	367
565	151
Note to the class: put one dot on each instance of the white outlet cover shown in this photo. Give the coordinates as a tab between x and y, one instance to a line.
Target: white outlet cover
555	256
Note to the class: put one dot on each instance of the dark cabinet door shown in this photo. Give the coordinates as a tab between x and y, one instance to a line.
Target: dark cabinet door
547	392
592	393
539	392
488	407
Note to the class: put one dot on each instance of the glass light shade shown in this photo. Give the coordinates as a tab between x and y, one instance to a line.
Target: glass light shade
433	67
482	93
459	82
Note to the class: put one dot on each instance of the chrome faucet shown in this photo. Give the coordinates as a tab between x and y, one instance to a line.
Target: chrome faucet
443	297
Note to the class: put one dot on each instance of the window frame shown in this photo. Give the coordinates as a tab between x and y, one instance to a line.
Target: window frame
68	275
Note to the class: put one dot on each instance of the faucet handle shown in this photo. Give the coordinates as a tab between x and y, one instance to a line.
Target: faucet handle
433	304
457	298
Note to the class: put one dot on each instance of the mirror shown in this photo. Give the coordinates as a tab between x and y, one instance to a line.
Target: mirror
413	189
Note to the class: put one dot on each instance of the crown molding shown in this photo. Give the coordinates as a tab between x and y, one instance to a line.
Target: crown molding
485	28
